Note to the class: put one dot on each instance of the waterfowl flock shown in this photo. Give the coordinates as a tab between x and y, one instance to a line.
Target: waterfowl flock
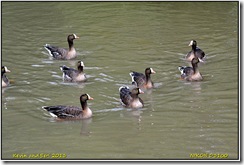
128	97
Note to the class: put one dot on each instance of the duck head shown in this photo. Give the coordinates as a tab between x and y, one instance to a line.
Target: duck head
5	69
149	71
136	91
85	97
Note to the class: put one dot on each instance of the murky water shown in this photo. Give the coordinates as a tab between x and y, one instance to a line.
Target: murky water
179	118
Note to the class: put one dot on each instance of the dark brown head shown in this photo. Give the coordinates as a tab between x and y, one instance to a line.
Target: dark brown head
85	97
71	37
83	100
193	43
5	70
80	65
136	91
149	71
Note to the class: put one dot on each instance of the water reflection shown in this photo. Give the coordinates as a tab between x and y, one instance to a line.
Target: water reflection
85	131
84	124
133	114
195	86
7	100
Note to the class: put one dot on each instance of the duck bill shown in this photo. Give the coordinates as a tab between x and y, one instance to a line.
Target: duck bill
201	60
76	37
140	91
191	43
89	97
6	70
152	71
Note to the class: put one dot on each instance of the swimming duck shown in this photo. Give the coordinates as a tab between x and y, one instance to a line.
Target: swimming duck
62	53
5	81
73	75
141	80
191	73
131	98
71	112
195	52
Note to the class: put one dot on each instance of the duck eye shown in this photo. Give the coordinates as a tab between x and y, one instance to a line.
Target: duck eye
83	97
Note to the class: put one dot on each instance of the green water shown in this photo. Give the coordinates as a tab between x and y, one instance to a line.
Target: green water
179	118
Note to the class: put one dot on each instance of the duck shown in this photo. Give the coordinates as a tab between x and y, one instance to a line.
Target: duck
71	112
62	53
130	98
5	80
73	75
141	80
195	52
191	73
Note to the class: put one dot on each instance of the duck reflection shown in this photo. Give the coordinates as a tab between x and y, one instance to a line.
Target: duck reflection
195	86
85	127
84	131
135	115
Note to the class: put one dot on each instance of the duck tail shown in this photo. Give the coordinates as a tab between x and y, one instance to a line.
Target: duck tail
132	75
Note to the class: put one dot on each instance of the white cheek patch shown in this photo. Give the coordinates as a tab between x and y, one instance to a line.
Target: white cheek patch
140	91
75	36
82	63
6	69
191	43
152	71
89	97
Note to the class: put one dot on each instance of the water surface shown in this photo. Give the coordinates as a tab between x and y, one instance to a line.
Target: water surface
179	118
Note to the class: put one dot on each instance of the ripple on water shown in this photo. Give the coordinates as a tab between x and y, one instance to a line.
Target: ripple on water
38	66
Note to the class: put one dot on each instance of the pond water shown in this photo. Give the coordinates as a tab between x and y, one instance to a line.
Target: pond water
179	119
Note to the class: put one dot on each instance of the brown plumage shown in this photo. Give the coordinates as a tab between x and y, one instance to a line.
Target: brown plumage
62	53
73	75
71	112
191	73
195	52
131	98
141	80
